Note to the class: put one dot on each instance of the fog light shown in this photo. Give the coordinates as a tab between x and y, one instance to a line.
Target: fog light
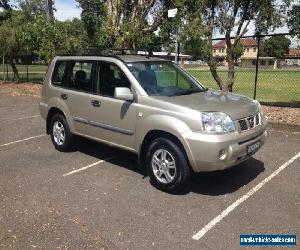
222	154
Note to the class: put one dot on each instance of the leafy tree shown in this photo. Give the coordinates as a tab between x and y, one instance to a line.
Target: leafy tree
123	23
31	8
231	18
10	42
46	40
92	15
6	9
276	46
294	20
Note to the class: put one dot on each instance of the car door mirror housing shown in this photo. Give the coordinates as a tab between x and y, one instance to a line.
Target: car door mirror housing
123	94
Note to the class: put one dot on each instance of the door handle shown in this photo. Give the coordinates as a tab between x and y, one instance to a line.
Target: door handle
96	103
64	96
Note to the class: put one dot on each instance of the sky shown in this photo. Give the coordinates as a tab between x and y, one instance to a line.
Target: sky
66	9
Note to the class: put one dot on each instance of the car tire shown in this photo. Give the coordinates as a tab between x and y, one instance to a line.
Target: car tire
61	136
167	165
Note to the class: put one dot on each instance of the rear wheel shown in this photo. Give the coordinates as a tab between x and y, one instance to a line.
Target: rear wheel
167	165
62	138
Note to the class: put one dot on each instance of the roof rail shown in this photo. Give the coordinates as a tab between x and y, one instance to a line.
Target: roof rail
101	51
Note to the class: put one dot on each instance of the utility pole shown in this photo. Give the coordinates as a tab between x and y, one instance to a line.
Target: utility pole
177	48
171	14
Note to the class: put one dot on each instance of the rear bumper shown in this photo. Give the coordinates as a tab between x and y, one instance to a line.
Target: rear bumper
204	150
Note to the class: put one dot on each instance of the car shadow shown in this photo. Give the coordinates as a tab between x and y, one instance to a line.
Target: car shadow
226	181
210	183
112	155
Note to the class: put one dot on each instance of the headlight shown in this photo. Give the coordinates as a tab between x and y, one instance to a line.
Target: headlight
217	122
258	104
259	107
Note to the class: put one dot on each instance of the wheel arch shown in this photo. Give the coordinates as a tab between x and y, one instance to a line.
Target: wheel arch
151	136
53	111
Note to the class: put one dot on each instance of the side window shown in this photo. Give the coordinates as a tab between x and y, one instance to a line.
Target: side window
74	75
110	77
82	76
59	74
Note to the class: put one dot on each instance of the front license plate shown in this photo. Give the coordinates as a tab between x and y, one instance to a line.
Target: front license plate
252	148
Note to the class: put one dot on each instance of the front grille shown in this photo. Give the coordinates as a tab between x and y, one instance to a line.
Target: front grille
243	124
250	122
257	119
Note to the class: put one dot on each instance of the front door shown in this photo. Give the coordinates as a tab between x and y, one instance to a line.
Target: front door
112	120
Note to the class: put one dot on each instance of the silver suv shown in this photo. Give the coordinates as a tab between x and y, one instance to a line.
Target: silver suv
153	108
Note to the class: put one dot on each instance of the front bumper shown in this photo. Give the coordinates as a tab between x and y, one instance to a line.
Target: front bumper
203	150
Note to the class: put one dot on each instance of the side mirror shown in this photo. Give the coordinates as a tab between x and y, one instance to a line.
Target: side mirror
123	94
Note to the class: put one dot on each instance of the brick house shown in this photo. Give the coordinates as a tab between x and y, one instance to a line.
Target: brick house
248	59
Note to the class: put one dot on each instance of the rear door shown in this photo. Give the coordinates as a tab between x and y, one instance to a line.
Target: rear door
76	82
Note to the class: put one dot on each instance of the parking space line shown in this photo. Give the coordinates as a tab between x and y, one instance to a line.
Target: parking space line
20	118
88	166
22	140
234	205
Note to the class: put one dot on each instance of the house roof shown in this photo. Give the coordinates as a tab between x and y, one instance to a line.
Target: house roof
246	42
293	52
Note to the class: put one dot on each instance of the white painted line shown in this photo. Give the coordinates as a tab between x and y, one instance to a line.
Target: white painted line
87	167
20	118
229	209
26	139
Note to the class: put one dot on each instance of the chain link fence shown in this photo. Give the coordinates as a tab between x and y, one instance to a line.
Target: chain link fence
267	78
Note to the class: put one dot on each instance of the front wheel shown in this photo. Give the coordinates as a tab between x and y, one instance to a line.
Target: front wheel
62	138
167	165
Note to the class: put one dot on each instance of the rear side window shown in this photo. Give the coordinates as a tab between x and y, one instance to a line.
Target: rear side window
81	76
75	75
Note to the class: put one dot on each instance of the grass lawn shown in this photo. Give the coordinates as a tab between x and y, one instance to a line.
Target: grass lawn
35	72
272	85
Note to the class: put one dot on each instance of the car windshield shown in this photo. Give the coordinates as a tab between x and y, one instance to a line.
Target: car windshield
164	79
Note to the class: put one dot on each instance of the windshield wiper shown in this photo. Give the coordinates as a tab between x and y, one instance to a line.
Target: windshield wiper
189	91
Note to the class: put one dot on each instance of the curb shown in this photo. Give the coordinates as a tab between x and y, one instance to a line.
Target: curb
284	126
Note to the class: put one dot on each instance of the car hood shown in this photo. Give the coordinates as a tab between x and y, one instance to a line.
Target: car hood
234	105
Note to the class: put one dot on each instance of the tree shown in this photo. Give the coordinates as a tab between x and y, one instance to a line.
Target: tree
45	40
92	16
231	18
10	42
50	4
31	8
294	20
123	23
276	46
5	9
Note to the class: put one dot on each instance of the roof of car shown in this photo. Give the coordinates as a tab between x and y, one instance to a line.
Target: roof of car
139	58
124	58
125	55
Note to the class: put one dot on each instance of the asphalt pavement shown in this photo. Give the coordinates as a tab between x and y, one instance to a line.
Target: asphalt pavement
97	197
